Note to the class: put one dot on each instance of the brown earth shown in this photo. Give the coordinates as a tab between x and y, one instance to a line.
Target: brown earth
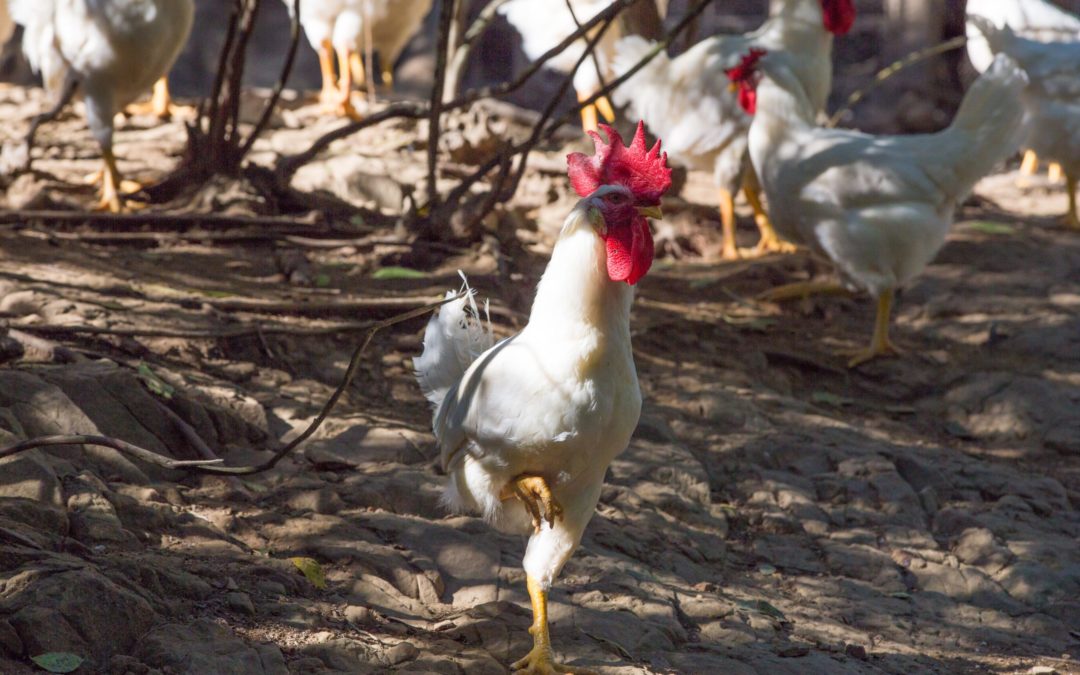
775	512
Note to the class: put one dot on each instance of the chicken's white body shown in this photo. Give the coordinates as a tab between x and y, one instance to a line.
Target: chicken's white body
117	49
543	24
1052	98
878	207
341	22
686	100
1038	20
559	400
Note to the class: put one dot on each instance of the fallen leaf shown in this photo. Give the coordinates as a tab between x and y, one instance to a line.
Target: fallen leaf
154	383
58	662
312	570
395	272
989	227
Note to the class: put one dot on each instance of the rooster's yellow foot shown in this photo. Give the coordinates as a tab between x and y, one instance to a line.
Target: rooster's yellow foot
539	661
861	356
535	494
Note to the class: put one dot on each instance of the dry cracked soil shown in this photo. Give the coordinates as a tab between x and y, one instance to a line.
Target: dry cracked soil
774	513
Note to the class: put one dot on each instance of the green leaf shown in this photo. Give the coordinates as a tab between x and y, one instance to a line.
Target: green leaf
394	272
827	398
989	227
154	383
322	280
58	662
900	595
312	570
357	221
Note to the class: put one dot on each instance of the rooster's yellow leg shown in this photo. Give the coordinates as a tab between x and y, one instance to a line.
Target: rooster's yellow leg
111	184
769	242
388	77
343	103
728	251
803	289
535	493
880	345
604	107
1072	219
1054	172
589	119
1030	165
328	95
160	104
540	660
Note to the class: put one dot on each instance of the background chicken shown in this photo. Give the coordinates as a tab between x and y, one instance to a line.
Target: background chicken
528	428
1032	19
7	26
688	103
1052	99
113	49
878	207
350	29
544	24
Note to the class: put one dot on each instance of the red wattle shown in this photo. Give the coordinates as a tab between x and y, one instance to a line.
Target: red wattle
630	251
748	97
839	15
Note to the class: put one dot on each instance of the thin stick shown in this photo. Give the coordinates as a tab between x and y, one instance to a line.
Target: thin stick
179	220
446	21
271	105
890	70
214	466
240	331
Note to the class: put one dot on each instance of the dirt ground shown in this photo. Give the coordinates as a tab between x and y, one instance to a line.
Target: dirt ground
775	512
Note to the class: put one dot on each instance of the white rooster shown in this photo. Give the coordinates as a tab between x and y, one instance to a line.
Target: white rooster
544	24
527	428
1038	20
878	207
113	49
687	100
351	28
1052	99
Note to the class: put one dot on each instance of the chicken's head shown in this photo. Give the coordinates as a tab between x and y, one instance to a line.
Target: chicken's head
838	15
744	79
624	184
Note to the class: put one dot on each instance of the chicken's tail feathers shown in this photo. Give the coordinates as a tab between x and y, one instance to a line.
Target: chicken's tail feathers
454	338
629	51
991	122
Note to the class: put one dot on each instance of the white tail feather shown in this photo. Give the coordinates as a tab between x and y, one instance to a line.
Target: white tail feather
454	338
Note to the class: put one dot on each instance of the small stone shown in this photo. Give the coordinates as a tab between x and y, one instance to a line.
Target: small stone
240	602
268	587
359	615
1042	670
855	651
402	652
790	651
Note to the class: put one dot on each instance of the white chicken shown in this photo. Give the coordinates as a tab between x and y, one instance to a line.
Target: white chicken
1038	20
688	102
543	24
350	28
1052	99
878	207
113	49
527	428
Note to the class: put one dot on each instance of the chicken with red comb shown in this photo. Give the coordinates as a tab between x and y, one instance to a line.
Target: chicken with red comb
528	427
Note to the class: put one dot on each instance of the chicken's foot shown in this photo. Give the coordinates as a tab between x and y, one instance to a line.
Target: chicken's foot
880	345
112	185
342	103
328	95
160	104
540	660
535	493
800	290
769	242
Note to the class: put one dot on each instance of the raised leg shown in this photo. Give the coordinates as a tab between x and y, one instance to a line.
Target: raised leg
803	289
769	242
1072	219
880	345
540	660
328	95
729	250
535	494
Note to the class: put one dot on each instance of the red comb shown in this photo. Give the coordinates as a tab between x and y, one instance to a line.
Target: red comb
644	171
747	65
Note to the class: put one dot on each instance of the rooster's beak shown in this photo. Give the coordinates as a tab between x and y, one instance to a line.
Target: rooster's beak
650	212
733	86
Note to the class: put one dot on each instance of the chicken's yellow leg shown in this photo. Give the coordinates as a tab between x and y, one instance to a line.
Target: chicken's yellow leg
111	184
589	120
803	289
535	493
1054	172
728	251
1030	165
769	242
603	105
160	104
328	95
388	77
880	345
540	660
1072	219
344	106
